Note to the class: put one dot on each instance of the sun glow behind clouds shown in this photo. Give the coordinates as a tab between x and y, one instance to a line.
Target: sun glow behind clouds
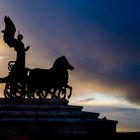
102	99
2	45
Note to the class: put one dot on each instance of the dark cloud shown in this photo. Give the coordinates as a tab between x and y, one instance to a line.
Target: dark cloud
111	53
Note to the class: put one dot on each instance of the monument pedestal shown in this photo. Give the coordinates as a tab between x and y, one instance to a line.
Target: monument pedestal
26	119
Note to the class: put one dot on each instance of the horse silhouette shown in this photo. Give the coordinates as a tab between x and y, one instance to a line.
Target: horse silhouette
44	81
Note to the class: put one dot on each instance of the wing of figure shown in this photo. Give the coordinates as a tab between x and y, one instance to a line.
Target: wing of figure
9	31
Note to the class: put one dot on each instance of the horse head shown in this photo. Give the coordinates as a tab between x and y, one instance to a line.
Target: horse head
62	63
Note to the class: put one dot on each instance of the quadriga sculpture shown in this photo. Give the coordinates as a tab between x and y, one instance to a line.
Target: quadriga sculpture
42	82
32	83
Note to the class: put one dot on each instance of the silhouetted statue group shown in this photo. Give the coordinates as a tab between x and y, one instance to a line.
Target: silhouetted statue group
23	82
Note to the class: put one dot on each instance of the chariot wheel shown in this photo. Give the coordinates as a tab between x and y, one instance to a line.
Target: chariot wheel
7	91
14	90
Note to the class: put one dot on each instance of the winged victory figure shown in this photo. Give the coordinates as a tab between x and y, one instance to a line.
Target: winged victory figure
9	31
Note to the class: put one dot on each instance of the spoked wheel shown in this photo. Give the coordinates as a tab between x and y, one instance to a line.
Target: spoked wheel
7	90
20	91
13	90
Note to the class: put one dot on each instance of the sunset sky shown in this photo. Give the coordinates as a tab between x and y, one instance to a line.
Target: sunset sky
100	38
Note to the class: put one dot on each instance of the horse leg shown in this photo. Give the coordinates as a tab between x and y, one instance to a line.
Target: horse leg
39	93
53	94
60	90
47	91
64	92
70	88
30	92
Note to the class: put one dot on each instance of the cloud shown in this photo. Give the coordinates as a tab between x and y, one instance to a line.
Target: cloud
86	100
